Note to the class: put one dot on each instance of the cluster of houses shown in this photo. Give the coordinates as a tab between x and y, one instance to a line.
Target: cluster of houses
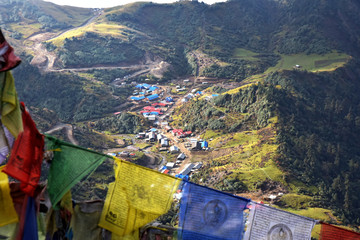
208	98
185	172
146	91
156	109
180	89
179	133
155	136
149	136
151	93
193	144
194	93
196	145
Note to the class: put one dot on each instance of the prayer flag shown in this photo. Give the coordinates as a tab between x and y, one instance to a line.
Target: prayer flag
138	196
26	156
10	108
6	142
69	165
210	214
7	211
8	231
331	232
8	60
84	221
270	223
134	236
30	226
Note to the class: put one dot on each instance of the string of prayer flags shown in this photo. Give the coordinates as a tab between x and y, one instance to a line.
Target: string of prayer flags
70	164
210	214
138	196
8	59
6	142
10	107
270	223
7	211
331	232
26	155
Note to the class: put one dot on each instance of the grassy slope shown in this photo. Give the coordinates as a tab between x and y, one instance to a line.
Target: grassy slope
101	29
241	53
312	62
72	16
27	29
250	158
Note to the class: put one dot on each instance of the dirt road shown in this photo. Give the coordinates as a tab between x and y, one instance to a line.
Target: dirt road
69	131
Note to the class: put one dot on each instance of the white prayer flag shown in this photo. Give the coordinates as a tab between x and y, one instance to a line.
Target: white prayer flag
268	223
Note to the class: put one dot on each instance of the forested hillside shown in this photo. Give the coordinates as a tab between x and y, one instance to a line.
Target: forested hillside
68	95
318	134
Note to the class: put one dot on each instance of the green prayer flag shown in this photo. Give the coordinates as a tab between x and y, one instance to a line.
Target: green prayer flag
70	164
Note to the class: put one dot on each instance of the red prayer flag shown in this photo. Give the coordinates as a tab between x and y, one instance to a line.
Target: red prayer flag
8	60
331	232
26	155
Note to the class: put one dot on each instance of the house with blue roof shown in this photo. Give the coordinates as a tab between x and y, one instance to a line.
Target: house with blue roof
153	88
137	98
153	97
204	144
169	99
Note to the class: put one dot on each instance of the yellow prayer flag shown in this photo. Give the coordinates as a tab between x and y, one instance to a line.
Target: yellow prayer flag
10	107
66	202
133	236
138	196
7	211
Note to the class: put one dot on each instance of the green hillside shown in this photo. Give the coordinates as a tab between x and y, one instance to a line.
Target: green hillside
23	18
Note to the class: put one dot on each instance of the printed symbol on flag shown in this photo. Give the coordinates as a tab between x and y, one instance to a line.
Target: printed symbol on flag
215	213
18	162
280	232
111	217
34	179
141	215
139	192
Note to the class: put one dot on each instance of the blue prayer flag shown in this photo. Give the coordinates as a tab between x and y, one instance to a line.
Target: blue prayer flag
210	214
30	227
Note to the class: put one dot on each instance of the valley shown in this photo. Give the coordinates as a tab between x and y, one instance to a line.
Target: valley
267	103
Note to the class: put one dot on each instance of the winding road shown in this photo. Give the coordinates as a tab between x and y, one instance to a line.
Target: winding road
69	131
